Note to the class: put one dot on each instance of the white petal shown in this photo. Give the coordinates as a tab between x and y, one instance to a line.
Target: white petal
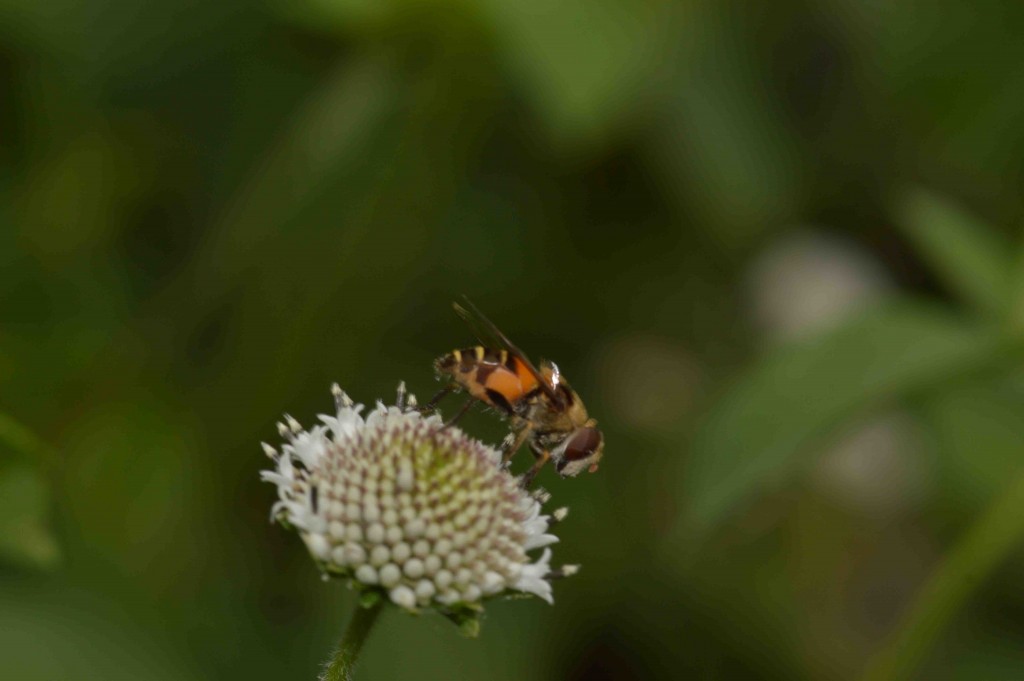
276	478
535	541
532	578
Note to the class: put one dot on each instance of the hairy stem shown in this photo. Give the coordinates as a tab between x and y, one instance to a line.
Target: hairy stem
343	662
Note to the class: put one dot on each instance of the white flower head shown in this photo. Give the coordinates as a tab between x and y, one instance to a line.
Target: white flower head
409	508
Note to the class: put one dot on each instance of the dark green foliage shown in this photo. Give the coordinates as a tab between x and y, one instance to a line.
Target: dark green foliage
211	211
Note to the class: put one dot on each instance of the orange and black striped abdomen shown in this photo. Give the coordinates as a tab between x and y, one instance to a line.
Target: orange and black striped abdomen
496	377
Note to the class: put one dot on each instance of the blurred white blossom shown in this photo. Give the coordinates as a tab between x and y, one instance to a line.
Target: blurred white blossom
878	469
807	283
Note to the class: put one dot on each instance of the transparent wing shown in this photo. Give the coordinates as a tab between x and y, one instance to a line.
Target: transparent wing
491	336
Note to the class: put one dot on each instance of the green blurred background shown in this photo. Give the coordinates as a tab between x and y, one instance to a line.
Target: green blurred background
776	249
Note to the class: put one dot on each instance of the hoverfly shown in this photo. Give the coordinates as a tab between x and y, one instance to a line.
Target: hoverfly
542	409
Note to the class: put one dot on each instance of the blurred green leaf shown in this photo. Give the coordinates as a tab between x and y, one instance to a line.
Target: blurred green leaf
966	568
990	652
582	63
722	142
979	438
967	254
328	134
25	535
339	15
23	442
794	397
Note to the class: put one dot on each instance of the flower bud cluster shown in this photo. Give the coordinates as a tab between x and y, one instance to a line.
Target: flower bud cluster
398	502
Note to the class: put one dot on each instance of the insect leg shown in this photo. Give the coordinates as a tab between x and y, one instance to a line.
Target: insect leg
441	394
528	477
514	441
462	412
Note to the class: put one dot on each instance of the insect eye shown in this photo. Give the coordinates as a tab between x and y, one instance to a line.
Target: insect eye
583	444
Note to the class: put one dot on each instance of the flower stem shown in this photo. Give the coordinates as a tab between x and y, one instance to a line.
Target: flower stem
998	532
343	662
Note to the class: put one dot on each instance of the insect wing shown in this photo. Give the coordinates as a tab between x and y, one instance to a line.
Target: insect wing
490	335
